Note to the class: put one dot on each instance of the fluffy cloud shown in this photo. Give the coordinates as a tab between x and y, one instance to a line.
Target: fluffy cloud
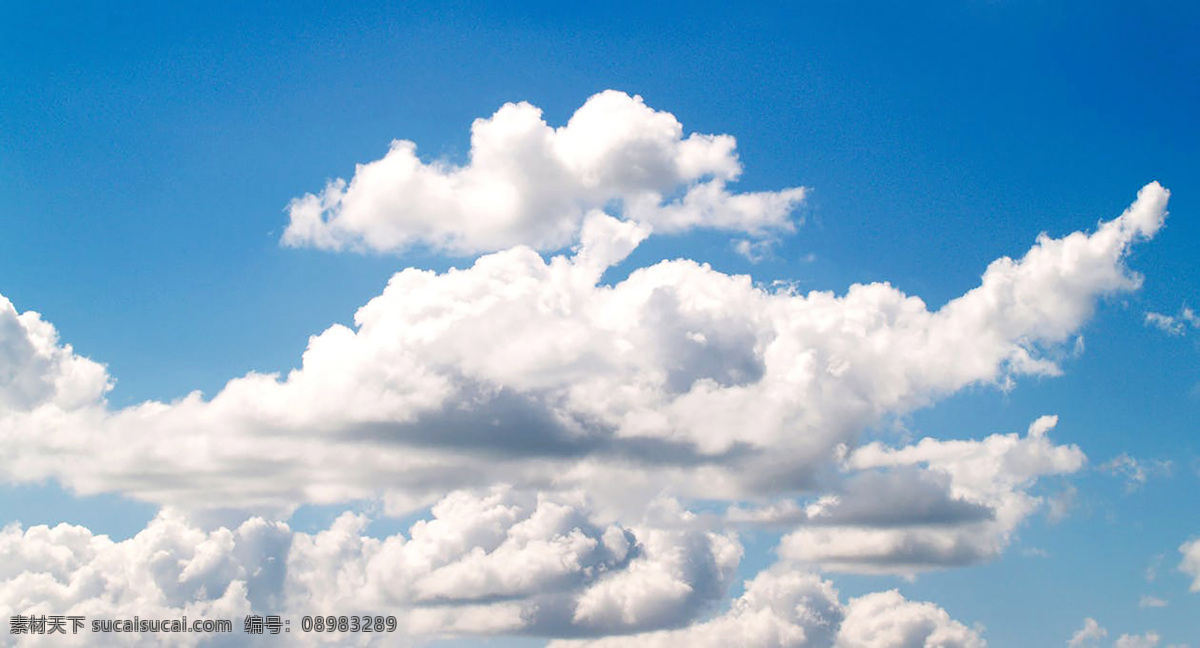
1148	640
169	570
678	382
520	565
1190	564
36	370
529	184
797	609
531	371
496	561
1088	635
942	503
885	619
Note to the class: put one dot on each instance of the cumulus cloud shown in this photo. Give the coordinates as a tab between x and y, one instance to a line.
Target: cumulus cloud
678	382
169	570
520	565
958	503
1190	564
788	609
527	183
886	619
1088	635
494	561
36	370
531	371
490	562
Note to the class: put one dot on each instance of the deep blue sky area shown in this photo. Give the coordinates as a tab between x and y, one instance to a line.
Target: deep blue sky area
148	153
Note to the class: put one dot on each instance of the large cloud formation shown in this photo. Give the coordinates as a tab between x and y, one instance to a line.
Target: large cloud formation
794	609
492	561
777	609
531	371
521	381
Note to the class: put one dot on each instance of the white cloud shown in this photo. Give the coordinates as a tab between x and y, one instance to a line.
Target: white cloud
1088	635
494	562
529	184
169	570
525	370
35	370
788	609
886	619
678	382
1148	640
533	566
1148	601
1092	632
1190	564
1174	325
755	251
1136	472
1165	323
497	561
963	509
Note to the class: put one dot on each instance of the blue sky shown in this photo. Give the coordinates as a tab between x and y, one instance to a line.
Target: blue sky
149	156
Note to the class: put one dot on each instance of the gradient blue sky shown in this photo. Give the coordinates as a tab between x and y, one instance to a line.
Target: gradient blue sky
148	154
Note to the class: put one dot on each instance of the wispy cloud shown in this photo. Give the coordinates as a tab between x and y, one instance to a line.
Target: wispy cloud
1174	324
1148	601
1136	472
